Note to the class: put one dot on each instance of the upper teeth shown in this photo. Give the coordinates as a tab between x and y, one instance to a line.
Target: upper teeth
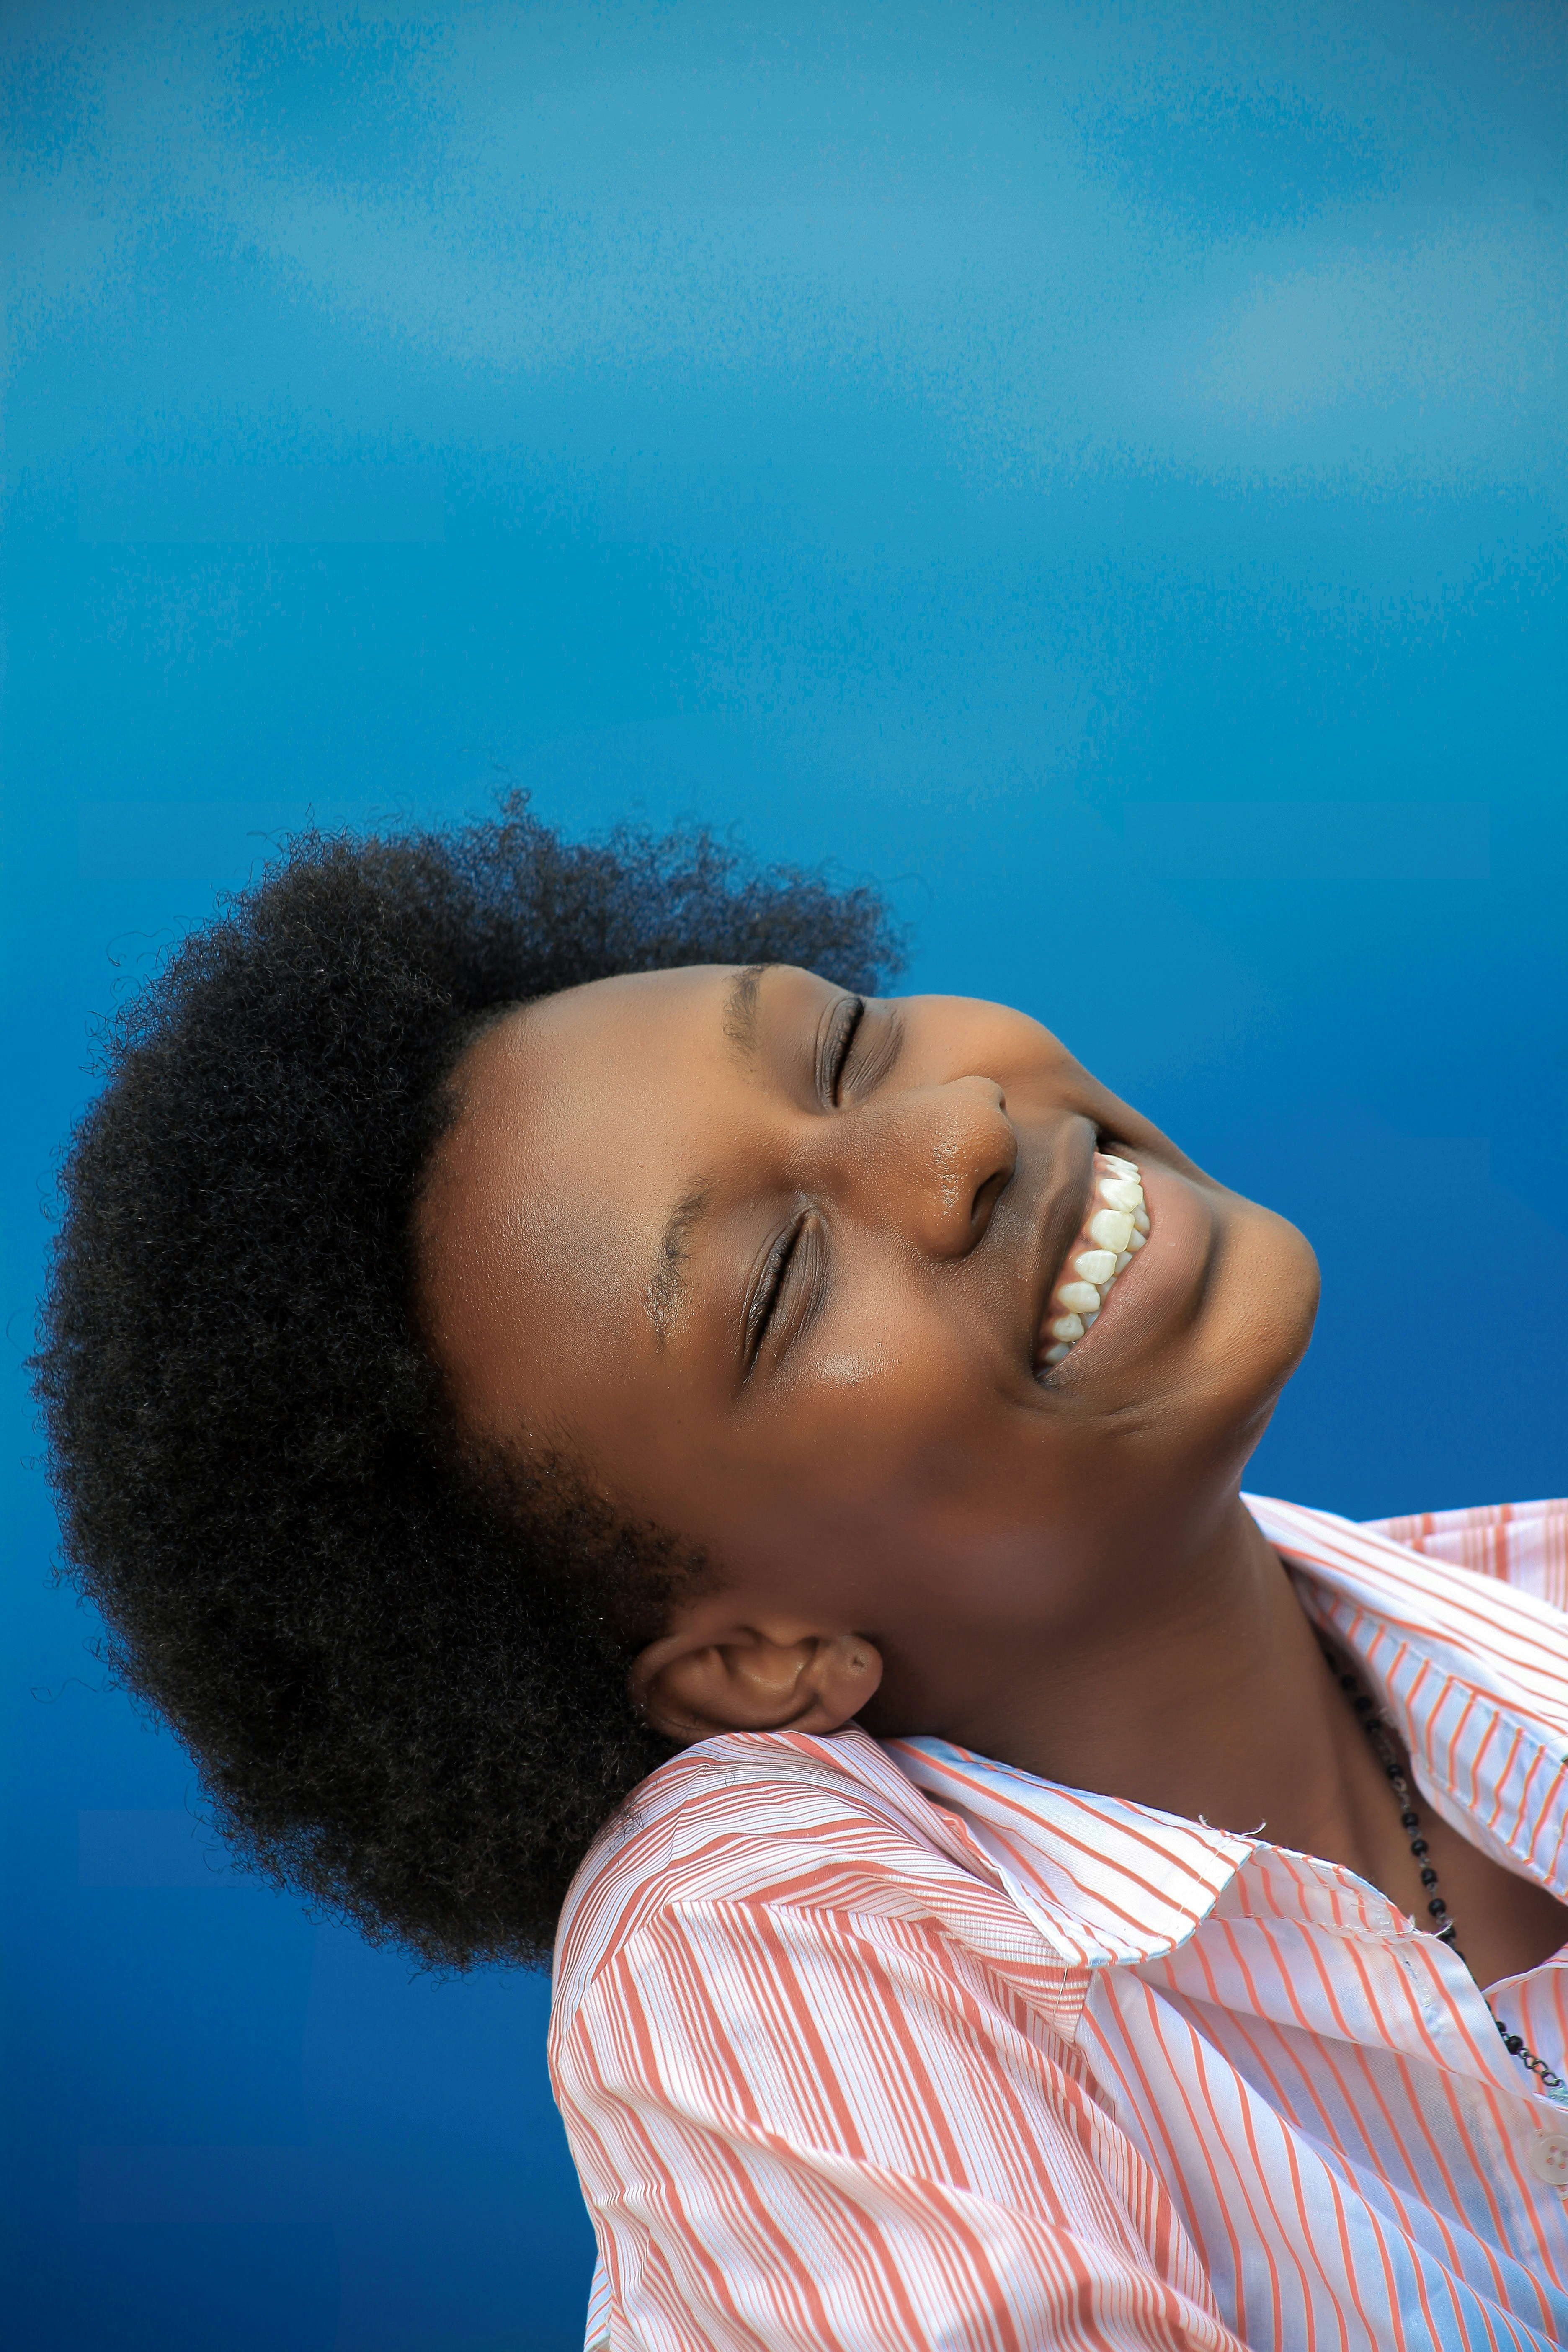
1111	1235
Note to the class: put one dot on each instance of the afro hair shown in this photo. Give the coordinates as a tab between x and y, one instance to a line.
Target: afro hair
402	1684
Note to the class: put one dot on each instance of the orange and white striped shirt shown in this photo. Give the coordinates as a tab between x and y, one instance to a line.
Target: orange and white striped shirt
870	2048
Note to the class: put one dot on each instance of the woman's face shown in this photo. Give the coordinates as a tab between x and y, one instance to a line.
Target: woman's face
780	1268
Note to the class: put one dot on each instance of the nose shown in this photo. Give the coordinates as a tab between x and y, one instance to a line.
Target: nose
936	1161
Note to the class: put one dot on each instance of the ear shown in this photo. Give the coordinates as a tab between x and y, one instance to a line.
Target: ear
773	1676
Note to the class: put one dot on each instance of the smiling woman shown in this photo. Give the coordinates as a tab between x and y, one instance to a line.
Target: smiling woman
553	1378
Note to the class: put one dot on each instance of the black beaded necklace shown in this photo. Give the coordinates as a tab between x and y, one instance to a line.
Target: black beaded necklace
1381	1733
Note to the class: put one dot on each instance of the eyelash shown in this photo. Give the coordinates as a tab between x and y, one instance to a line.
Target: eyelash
841	1039
773	1285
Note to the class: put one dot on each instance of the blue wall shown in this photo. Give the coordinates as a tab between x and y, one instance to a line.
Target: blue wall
1100	471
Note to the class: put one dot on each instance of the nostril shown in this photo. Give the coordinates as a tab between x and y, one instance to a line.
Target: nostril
986	1198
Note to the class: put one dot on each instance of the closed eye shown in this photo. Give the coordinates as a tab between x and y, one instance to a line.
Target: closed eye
834	1044
765	1298
794	1272
790	1303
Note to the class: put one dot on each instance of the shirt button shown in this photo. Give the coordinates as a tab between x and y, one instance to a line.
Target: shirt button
1549	2159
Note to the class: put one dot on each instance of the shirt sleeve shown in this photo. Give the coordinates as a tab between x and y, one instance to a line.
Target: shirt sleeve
805	2128
1521	1544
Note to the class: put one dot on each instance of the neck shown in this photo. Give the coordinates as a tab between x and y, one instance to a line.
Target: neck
1205	1695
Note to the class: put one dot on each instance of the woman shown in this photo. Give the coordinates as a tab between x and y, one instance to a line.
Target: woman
529	1320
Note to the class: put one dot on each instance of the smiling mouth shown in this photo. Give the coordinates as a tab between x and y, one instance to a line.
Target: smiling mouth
1114	1230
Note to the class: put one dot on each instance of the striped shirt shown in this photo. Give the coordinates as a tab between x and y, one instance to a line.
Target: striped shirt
873	2047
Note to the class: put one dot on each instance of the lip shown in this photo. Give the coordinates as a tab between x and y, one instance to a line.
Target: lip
1163	1276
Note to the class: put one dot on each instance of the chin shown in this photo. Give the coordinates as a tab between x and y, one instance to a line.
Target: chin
1270	1285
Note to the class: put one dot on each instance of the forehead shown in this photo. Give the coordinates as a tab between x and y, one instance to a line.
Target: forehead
552	1068
578	1116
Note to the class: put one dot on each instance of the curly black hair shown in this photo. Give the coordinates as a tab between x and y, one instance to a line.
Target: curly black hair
402	1681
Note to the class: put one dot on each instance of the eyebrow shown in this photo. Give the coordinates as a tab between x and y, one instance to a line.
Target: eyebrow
661	1294
741	1008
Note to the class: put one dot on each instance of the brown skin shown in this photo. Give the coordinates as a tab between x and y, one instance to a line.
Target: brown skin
916	1529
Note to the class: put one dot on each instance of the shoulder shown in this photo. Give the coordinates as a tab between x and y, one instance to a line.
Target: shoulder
1465	1592
1521	1545
823	1829
1509	1557
1524	1545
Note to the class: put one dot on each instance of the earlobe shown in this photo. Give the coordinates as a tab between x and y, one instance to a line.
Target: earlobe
754	1678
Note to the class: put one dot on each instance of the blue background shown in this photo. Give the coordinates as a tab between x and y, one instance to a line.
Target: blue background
1100	471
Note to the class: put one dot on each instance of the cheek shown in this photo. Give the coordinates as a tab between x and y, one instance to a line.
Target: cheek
880	1414
894	1497
865	1428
